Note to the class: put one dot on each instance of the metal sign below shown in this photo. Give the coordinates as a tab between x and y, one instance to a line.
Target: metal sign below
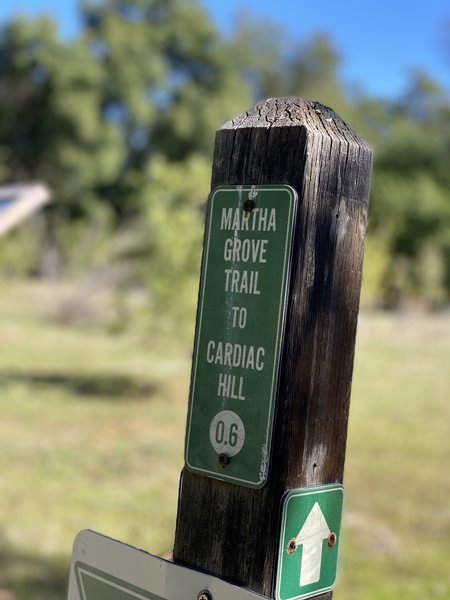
240	325
105	569
310	534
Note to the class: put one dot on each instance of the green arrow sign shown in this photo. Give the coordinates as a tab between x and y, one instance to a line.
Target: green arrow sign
309	543
240	321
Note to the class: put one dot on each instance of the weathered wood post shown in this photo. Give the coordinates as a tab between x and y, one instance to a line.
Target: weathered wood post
234	530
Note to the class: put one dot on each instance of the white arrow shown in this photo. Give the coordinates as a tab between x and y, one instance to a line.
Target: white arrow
314	530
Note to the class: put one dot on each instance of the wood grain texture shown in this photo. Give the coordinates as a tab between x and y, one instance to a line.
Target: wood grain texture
233	531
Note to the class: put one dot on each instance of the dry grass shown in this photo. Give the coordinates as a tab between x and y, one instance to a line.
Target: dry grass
92	430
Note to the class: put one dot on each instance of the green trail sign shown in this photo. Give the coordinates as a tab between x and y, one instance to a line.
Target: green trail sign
240	321
310	533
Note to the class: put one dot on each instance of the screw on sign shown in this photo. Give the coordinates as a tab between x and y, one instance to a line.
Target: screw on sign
248	206
223	459
332	539
205	595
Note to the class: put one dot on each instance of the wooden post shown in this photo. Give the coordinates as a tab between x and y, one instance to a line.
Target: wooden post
233	531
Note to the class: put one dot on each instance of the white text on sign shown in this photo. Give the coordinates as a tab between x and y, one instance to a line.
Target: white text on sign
241	282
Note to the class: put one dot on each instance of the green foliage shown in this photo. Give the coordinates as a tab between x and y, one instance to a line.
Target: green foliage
86	241
120	122
377	259
411	197
163	250
18	254
174	221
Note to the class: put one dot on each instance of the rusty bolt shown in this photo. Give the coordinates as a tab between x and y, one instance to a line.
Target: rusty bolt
292	546
223	459
248	205
205	595
332	539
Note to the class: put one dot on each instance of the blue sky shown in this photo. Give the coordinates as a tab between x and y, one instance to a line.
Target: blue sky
380	41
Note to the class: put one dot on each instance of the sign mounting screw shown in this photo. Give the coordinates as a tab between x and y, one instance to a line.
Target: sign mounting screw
292	546
205	595
248	206
223	459
332	540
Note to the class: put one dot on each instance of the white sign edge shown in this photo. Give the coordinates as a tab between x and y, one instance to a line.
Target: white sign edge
146	571
28	198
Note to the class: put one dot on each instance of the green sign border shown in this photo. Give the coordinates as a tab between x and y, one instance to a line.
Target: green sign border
263	475
102	568
111	581
296	493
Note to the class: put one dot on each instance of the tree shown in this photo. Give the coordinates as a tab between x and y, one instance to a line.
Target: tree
105	119
410	209
120	123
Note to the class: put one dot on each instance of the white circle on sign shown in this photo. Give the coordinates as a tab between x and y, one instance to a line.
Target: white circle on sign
227	433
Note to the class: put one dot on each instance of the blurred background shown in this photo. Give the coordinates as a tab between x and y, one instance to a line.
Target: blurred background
113	104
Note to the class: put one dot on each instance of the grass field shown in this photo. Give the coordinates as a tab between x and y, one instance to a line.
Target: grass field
91	436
